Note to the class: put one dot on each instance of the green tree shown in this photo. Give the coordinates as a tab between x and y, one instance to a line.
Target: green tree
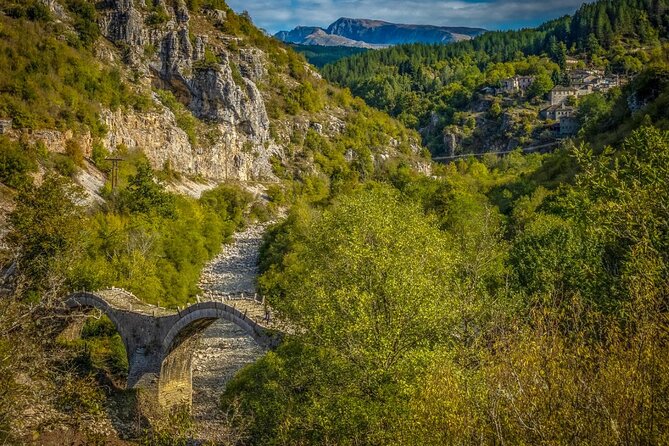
367	289
46	229
144	194
541	86
16	163
372	273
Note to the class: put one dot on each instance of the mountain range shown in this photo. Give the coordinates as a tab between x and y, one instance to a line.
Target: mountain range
364	33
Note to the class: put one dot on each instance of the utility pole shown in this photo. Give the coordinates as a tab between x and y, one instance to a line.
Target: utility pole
114	172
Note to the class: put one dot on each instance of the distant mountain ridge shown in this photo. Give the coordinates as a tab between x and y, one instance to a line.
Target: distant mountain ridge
297	34
365	33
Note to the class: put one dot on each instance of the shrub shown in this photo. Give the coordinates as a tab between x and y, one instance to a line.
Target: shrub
157	16
16	163
64	165
85	21
210	61
75	152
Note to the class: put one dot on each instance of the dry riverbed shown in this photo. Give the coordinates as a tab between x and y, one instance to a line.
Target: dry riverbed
224	348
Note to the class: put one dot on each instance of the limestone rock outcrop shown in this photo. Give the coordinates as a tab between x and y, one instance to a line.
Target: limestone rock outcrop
160	138
123	23
217	97
155	133
223	94
252	64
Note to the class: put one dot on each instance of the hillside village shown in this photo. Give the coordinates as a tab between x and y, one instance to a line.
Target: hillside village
560	110
509	114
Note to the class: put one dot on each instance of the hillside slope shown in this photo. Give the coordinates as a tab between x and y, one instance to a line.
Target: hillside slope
196	87
461	96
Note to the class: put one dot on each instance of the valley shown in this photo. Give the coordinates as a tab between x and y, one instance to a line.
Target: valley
224	348
409	235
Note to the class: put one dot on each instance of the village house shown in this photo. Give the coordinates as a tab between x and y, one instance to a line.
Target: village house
5	126
605	84
580	77
516	83
555	112
560	94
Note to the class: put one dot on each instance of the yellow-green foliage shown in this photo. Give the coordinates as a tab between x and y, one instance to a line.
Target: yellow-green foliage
46	232
46	83
100	348
17	160
196	5
210	60
155	243
558	379
146	239
545	324
157	15
375	275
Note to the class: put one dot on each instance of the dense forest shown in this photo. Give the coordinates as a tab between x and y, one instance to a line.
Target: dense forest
517	299
429	87
319	56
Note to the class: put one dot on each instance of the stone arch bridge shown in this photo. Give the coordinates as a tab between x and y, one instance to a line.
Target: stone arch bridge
160	342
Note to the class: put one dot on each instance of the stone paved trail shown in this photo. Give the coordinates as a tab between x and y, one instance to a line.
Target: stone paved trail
224	348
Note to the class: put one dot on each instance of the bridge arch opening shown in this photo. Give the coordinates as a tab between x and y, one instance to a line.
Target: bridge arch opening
223	350
182	340
175	386
176	371
106	346
100	346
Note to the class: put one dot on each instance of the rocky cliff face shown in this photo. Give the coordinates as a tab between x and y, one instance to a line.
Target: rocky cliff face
226	101
220	92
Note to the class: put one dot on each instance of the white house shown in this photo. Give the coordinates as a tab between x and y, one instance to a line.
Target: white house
5	126
517	83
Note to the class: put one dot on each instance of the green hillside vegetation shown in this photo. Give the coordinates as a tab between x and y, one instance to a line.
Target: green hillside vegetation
507	300
428	87
144	238
46	82
432	312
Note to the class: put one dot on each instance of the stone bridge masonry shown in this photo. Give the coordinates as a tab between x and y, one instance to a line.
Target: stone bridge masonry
160	342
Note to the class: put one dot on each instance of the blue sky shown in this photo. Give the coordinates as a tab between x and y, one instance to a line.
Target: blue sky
276	15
